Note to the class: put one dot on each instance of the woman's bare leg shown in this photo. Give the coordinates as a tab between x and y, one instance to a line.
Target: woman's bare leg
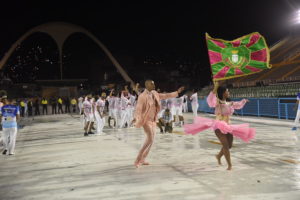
219	156
224	141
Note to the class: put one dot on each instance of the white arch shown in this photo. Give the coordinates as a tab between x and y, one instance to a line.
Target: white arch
60	31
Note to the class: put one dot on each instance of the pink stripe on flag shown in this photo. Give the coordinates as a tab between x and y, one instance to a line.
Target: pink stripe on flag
254	38
260	55
222	72
236	43
220	44
238	72
253	69
214	57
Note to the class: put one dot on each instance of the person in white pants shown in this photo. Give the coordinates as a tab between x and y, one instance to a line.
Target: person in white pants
111	108
99	114
171	106
132	107
163	107
178	110
296	123
88	112
9	115
194	103
1	132
80	102
125	110
117	110
185	103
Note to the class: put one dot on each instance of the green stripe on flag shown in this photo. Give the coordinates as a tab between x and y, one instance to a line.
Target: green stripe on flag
257	64
260	44
217	67
228	44
245	70
230	72
213	47
245	41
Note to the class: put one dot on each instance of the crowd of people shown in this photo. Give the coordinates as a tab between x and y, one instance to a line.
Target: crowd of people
37	105
120	106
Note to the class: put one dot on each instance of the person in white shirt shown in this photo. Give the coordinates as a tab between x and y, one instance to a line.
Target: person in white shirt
125	109
296	122
1	132
99	114
80	102
163	107
88	112
194	102
171	105
112	110
118	109
178	110
133	101
166	121
185	103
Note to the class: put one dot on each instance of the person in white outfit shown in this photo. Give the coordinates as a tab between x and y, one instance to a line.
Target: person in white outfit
88	112
125	110
163	107
112	108
171	106
9	115
132	106
80	102
194	103
117	111
178	110
1	132
296	123
99	114
185	103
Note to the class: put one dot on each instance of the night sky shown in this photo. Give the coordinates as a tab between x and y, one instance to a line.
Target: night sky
140	29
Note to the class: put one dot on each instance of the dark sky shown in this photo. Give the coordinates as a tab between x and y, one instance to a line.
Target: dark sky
153	27
150	26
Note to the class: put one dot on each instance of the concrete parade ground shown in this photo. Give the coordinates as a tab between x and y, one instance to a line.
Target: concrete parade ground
54	160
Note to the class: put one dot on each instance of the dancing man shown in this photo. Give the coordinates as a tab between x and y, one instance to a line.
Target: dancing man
147	108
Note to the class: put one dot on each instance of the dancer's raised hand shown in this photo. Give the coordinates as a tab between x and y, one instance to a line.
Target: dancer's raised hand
180	90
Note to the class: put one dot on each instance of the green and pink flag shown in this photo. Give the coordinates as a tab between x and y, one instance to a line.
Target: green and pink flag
243	56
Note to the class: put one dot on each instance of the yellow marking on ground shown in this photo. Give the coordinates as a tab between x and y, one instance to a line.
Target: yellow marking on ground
291	161
178	132
214	142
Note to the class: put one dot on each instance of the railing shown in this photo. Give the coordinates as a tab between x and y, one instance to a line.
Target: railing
286	80
282	108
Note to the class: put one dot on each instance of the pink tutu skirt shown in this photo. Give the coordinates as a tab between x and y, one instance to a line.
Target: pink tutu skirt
242	131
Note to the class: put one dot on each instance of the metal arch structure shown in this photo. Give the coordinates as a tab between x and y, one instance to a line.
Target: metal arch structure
60	31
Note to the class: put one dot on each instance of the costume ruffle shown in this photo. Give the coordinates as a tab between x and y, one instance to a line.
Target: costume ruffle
242	131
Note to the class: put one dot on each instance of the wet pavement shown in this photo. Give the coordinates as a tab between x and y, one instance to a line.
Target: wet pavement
54	161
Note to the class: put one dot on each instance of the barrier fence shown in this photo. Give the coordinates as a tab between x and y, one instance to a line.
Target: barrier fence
282	108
